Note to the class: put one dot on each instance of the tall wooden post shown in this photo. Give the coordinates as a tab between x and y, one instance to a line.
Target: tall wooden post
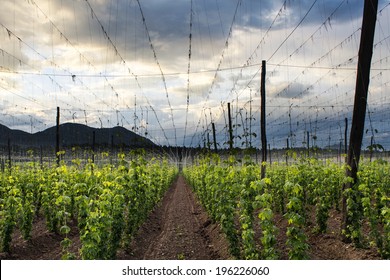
230	128
9	154
340	149
58	136
208	140
360	103
112	148
346	137
41	156
308	143
262	121
214	137
287	150
371	147
93	145
270	155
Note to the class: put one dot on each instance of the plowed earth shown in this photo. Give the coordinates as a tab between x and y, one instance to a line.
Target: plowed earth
179	228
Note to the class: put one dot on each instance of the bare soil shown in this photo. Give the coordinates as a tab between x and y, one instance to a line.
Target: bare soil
324	246
179	228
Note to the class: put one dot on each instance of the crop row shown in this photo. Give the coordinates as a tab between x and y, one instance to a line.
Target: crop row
107	203
235	197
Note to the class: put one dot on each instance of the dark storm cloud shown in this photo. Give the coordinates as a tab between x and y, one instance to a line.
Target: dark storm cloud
333	10
294	90
168	21
289	13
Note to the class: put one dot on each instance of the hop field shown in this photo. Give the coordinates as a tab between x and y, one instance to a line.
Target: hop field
108	204
301	199
96	211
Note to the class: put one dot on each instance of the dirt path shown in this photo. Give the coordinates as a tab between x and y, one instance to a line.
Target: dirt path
178	229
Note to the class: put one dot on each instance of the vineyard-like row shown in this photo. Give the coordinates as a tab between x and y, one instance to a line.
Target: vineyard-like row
108	203
236	198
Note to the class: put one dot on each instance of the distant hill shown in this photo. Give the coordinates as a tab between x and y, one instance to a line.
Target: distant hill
72	134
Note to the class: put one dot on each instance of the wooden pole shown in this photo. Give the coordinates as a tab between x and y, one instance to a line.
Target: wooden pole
340	149
208	140
9	154
287	151
371	147
230	128
250	118
93	145
214	137
58	136
270	155
112	149
41	156
360	103
262	121
308	143
346	137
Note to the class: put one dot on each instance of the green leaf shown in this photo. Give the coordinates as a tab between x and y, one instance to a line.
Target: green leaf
64	229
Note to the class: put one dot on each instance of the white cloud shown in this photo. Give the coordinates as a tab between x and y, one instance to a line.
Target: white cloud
114	68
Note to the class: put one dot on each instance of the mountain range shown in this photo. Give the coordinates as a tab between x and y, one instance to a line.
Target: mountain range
72	134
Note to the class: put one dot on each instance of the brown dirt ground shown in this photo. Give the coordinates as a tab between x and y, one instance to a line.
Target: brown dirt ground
179	228
324	246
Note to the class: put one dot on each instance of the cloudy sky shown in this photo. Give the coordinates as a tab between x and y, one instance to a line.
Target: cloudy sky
167	69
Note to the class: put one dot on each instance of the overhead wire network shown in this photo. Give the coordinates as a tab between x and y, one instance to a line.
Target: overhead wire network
313	65
305	96
226	45
82	57
50	61
188	72
160	69
100	75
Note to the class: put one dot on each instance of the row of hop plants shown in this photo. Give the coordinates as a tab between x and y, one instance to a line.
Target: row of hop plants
369	202
237	198
107	203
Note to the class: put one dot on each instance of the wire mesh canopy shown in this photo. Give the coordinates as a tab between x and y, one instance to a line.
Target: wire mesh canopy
167	69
